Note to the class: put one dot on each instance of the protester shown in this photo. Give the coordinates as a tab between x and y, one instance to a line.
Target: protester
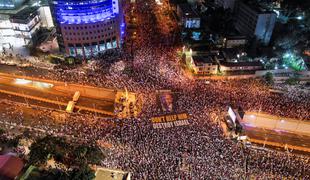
197	151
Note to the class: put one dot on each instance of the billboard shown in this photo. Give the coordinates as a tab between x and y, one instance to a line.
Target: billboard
165	101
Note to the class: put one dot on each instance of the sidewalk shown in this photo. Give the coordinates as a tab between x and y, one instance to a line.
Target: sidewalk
21	57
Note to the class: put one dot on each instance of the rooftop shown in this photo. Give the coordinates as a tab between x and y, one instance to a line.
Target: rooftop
240	64
188	11
203	59
255	6
201	48
10	166
231	53
25	13
109	174
12	11
235	37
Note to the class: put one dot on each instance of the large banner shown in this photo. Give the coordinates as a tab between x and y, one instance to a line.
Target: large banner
165	100
170	120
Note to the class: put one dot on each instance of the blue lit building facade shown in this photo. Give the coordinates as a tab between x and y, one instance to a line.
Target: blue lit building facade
87	27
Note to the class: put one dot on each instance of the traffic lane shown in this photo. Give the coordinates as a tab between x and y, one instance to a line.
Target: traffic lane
29	84
51	93
23	71
31	101
58	87
101	104
46	93
96	104
278	136
44	104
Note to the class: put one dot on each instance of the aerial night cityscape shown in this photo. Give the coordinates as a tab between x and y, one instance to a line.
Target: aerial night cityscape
154	89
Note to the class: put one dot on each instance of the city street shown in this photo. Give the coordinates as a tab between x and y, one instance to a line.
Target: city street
281	137
58	92
177	130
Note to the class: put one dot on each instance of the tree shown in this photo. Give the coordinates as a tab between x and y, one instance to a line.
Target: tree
49	145
294	61
51	174
2	131
288	40
94	155
292	81
90	154
79	154
269	78
13	142
27	134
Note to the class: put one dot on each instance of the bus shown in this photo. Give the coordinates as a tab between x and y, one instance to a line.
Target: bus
76	96
70	106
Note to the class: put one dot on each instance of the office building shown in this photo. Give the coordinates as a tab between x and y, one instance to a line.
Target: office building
10	4
25	23
189	17
20	21
240	66
19	26
202	62
87	27
204	65
226	4
254	21
234	41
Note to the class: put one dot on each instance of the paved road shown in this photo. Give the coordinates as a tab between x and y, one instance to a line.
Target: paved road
281	137
9	84
23	71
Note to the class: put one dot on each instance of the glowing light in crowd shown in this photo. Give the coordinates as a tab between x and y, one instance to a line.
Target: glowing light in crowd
158	2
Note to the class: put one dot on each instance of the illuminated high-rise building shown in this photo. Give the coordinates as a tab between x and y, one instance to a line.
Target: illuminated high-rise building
87	27
11	4
20	21
254	21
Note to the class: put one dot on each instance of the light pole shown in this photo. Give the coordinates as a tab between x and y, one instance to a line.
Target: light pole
58	103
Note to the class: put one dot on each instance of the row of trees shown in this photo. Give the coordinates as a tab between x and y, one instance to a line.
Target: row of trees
81	173
75	157
7	143
290	81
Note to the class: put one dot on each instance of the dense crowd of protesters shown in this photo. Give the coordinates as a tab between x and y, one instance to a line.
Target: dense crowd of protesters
197	151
